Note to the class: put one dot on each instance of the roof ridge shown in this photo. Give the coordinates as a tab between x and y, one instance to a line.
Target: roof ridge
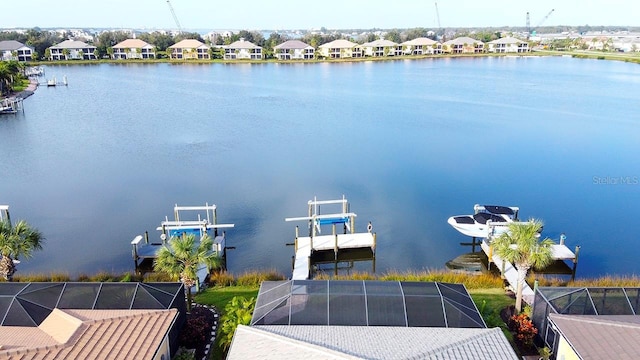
599	321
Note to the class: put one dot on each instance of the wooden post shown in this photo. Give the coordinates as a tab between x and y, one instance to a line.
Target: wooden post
575	263
146	237
215	222
295	243
490	257
375	237
335	245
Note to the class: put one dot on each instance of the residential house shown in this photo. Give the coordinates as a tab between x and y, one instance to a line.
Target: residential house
133	49
338	49
72	50
421	46
90	320
588	323
508	45
15	50
188	49
327	319
294	50
242	49
463	45
596	336
381	47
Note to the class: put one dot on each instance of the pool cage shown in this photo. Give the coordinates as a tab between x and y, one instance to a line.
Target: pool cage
580	301
365	303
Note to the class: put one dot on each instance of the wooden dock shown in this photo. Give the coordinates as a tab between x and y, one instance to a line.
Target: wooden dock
145	250
510	273
11	105
306	246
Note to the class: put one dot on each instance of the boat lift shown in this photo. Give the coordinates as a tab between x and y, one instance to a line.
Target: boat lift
306	248
4	213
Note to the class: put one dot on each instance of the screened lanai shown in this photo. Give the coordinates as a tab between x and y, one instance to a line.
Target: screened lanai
581	301
365	303
28	304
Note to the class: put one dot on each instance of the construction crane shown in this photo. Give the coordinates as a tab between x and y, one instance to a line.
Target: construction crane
175	18
531	31
438	17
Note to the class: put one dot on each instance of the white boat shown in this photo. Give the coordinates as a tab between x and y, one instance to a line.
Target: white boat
486	220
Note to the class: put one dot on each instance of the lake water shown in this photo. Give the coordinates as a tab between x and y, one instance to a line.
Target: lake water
409	143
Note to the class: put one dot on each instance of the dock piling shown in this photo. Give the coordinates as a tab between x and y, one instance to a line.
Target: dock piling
575	263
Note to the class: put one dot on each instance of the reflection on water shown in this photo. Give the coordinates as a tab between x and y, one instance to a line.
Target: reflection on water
410	143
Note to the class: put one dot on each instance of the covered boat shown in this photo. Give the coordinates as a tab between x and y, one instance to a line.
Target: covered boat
486	220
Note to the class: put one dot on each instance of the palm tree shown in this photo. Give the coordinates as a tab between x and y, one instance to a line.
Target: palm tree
16	241
521	245
181	258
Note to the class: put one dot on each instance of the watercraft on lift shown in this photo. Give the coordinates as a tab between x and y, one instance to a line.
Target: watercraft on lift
486	220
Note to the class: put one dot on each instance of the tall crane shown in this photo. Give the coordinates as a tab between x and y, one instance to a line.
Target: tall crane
175	18
438	17
531	31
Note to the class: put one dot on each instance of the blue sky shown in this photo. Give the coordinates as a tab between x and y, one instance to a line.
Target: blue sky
290	14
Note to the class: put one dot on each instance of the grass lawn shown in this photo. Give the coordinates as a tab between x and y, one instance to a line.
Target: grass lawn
490	302
220	296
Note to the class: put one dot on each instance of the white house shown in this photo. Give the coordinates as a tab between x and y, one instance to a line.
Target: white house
242	49
189	49
463	45
72	50
421	46
133	49
338	49
294	50
508	45
14	50
382	47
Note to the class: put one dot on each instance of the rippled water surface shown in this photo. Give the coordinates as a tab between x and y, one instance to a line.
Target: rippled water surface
409	143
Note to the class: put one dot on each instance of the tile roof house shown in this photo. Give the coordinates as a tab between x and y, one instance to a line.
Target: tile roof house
294	50
92	334
382	47
508	45
421	46
463	45
242	49
373	342
72	50
331	319
90	320
338	49
15	50
596	337
133	49
189	49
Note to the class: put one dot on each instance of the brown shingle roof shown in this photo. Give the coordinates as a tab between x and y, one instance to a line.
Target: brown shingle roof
89	334
601	336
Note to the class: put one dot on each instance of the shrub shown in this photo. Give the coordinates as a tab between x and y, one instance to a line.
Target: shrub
196	332
221	278
255	278
237	312
524	329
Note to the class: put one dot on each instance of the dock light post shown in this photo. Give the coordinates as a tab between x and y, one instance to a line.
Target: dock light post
563	237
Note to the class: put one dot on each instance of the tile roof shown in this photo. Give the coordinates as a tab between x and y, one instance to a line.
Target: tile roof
601	336
340	44
420	41
243	44
375	342
10	45
132	44
187	44
463	40
293	44
72	44
380	42
89	334
507	40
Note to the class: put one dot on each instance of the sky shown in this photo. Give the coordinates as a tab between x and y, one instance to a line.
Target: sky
331	14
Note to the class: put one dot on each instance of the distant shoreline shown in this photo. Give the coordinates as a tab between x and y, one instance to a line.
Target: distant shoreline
575	54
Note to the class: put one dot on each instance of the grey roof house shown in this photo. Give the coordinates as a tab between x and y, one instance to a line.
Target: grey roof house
294	50
72	50
242	49
15	50
332	319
